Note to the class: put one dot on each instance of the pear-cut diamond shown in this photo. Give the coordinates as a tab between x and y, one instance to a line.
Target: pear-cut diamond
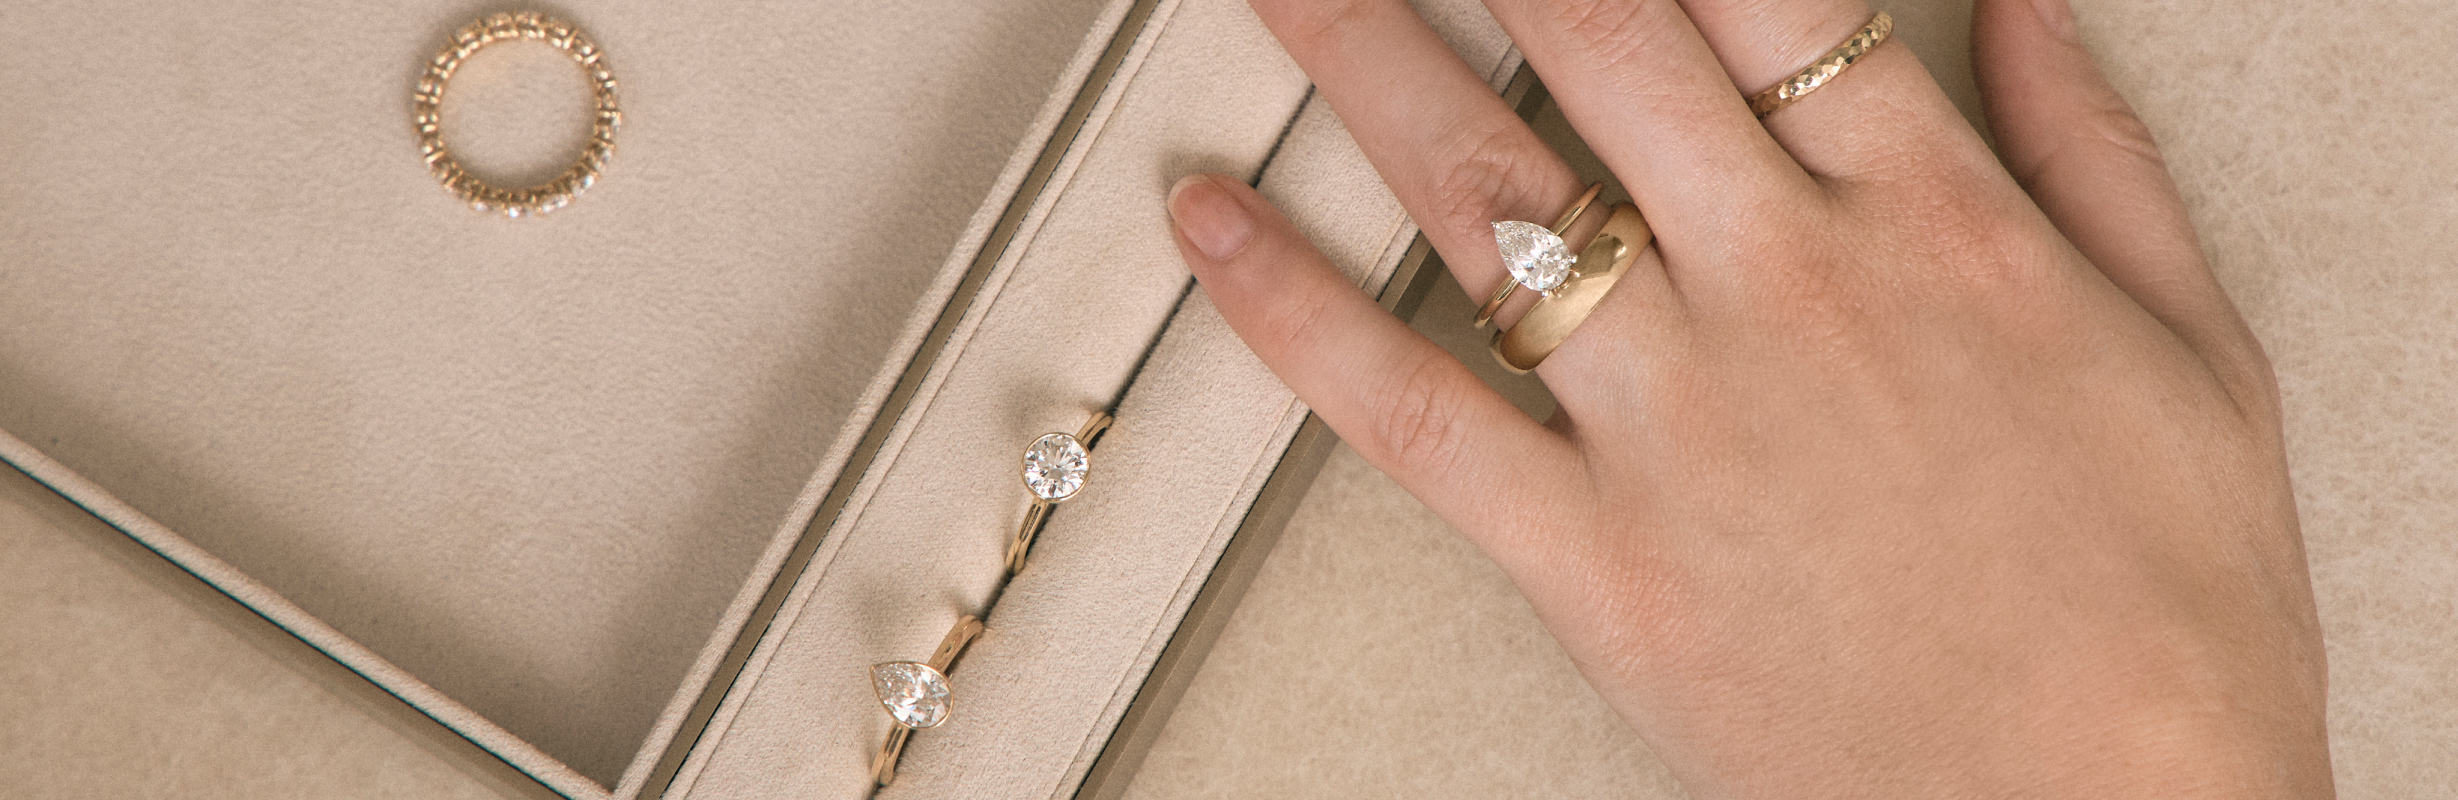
1054	467
915	694
1537	259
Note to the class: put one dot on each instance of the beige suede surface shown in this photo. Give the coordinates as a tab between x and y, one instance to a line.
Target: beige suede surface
1068	317
1199	429
530	462
452	377
1379	655
107	666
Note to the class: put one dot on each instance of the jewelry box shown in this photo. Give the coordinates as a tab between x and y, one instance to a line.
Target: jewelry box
624	500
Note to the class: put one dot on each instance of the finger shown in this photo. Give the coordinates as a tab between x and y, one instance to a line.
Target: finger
1454	154
1402	402
1881	113
1634	77
2076	146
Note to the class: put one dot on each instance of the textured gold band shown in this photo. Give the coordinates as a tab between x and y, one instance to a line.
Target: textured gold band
478	193
1601	265
1485	313
1825	69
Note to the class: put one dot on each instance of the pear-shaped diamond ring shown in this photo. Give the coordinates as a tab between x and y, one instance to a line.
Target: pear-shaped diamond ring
915	694
1537	258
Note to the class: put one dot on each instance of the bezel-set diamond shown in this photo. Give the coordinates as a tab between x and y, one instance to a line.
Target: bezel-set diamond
1054	467
914	693
1537	258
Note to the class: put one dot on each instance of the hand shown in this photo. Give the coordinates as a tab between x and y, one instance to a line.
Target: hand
1887	473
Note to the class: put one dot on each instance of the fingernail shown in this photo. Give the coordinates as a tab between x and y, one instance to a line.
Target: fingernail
1213	220
2058	15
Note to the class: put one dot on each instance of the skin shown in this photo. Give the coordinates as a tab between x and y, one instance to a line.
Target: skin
1898	468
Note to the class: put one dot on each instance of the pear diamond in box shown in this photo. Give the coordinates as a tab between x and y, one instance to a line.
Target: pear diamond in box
915	694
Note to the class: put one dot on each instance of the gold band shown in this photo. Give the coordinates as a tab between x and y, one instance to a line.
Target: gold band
554	194
1601	265
1485	314
1824	69
1021	545
883	766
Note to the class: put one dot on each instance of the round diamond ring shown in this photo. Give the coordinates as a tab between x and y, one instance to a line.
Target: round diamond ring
1054	469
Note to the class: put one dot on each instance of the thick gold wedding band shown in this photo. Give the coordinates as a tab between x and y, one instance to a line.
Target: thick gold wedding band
916	694
1825	69
1601	265
1503	239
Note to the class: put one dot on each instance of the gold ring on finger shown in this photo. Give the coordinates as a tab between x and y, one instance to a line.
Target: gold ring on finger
1824	70
1601	265
1537	258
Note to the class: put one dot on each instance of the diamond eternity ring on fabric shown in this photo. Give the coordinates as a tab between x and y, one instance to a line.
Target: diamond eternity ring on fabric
427	103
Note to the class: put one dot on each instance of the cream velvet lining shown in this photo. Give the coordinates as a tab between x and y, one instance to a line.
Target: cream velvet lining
1198	431
536	464
508	469
117	684
2318	182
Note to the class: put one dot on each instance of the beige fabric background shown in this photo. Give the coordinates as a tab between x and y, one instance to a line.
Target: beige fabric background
106	667
1378	655
530	462
2305	134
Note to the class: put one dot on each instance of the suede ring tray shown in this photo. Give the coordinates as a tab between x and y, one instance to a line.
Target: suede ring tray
621	501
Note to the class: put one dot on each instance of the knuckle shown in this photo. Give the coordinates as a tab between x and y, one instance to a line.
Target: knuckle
1419	417
2253	384
1308	24
1603	28
2105	127
1974	242
2121	130
1299	324
1487	170
1617	40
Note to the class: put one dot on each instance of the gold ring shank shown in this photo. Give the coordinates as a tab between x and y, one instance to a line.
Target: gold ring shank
1093	427
1485	313
1601	265
1825	69
427	101
1021	546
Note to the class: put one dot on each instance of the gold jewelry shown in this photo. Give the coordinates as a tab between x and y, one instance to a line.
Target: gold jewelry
1054	468
1602	265
476	192
915	694
1825	69
1535	257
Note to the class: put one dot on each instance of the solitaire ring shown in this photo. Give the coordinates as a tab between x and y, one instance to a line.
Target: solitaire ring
1054	469
1537	257
1601	265
915	694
